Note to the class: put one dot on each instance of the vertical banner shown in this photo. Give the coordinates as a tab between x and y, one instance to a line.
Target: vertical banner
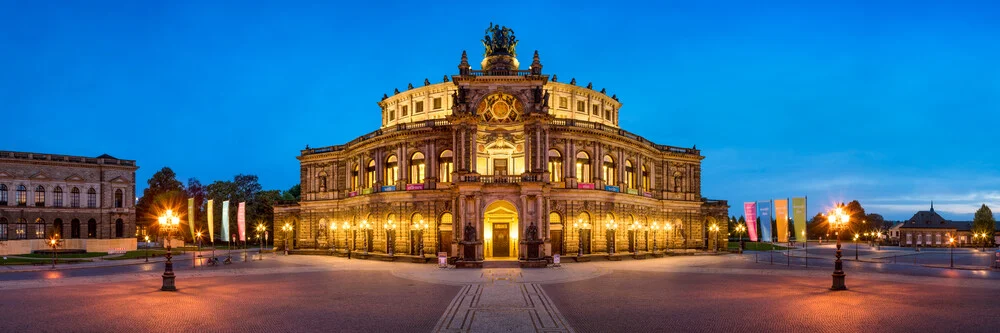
191	216
241	222
211	221
781	218
750	211
225	220
764	213
799	217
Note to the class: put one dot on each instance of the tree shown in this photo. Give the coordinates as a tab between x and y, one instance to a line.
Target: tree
164	192
818	227
293	194
859	221
984	222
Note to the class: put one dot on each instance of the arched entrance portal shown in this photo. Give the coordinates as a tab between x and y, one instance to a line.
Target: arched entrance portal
500	230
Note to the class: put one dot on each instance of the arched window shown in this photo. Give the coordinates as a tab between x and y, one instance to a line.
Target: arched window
74	228
57	197
370	174
74	198
583	173
92	198
355	178
3	229
119	198
555	166
3	195
57	228
417	168
22	195
40	196
21	229
391	171
39	232
629	174
119	228
446	165
645	178
609	171
92	228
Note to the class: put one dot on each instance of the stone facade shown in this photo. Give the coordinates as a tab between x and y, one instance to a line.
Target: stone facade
501	149
87	202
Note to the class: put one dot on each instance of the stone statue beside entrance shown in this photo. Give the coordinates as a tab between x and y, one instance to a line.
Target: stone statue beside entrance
469	246
532	244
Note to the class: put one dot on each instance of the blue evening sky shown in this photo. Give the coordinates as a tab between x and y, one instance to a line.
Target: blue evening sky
891	103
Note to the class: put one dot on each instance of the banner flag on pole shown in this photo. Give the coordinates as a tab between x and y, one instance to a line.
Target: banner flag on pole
799	217
211	221
750	211
781	216
241	221
225	220
191	216
764	213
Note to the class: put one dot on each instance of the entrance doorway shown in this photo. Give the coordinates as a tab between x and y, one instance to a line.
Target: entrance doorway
500	167
500	230
501	240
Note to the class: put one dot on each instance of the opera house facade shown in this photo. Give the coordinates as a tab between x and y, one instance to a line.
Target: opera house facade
501	163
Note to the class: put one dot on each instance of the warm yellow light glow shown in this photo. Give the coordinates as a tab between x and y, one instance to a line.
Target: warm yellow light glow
345	226
831	219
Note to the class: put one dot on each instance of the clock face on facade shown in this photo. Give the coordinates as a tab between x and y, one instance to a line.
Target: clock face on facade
500	108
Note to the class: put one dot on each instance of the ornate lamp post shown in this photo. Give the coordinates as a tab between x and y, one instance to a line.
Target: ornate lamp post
612	227
740	229
390	237
634	229
286	229
806	246
951	241
669	227
333	243
197	241
856	236
168	222
346	227
420	226
365	227
147	248
715	238
655	227
260	228
54	243
580	226
838	219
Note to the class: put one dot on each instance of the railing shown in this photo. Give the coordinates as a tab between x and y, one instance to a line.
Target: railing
500	72
64	158
376	133
493	179
624	133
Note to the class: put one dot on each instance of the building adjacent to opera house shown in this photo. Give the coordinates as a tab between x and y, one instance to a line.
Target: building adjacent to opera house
85	202
501	163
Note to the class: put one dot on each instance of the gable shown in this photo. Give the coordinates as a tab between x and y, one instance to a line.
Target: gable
75	178
4	175
40	176
119	180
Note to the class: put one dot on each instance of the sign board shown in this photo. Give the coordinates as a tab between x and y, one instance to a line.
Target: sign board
414	187
585	186
352	194
610	188
443	259
388	188
632	191
647	194
555	259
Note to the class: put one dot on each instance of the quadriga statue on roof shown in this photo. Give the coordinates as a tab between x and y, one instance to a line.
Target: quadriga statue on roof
499	40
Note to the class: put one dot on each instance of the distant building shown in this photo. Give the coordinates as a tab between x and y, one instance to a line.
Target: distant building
928	228
87	202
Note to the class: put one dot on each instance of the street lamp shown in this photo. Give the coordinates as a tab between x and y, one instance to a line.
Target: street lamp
838	220
806	246
951	241
168	222
715	231
346	227
669	227
878	240
420	226
286	229
856	236
333	243
147	248
194	257
390	237
260	231
740	229
54	243
580	226
655	227
634	228
612	227
365	228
